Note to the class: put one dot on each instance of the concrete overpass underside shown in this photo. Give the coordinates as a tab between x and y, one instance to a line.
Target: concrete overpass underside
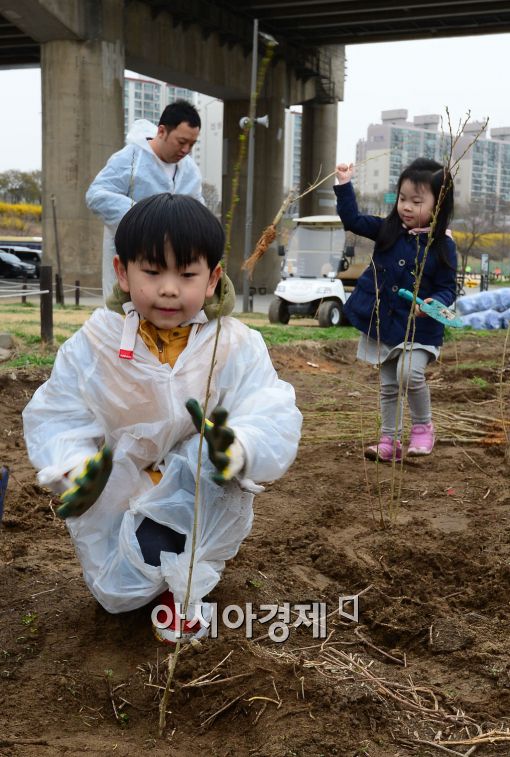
84	47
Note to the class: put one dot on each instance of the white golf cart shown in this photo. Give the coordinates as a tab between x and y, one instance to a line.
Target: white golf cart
309	287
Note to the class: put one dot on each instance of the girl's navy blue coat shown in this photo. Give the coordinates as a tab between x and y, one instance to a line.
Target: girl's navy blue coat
390	271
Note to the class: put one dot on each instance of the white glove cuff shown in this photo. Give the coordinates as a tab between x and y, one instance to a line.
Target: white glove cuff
237	457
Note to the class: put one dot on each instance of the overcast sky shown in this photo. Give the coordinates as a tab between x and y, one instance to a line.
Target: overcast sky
465	74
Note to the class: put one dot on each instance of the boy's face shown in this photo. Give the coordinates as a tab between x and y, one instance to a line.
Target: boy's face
167	296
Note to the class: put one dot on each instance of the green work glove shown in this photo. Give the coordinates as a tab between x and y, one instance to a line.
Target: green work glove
225	452
87	485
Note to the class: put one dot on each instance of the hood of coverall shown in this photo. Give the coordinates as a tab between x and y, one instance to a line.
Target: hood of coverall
140	132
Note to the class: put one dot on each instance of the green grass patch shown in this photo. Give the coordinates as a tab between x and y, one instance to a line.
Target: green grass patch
276	334
457	335
27	339
25	361
19	326
17	308
31	352
474	366
480	382
21	308
71	327
251	316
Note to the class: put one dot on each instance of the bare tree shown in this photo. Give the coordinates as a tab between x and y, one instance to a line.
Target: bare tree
500	247
21	186
474	223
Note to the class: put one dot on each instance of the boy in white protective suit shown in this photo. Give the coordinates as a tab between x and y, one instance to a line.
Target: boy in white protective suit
129	382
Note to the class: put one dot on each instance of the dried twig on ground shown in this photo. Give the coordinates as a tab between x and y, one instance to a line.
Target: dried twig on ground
226	706
450	427
120	716
368	643
338	666
491	737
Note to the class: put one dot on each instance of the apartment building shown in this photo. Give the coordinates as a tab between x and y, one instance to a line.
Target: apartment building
292	155
483	171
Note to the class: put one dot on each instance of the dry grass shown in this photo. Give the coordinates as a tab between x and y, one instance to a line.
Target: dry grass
27	316
420	715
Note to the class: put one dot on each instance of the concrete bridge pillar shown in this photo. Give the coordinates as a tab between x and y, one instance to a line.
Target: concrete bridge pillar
319	131
83	121
318	140
268	176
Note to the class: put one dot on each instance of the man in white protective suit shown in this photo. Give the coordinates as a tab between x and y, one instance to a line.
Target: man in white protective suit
155	159
115	427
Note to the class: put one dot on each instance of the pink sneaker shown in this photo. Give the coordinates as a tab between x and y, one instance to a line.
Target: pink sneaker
384	450
422	440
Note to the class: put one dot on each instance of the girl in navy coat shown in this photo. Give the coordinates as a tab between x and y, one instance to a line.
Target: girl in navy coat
424	191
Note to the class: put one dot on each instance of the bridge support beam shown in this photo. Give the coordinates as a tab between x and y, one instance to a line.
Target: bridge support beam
318	145
82	113
319	131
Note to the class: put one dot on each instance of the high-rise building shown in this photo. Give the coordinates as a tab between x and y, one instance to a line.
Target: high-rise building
292	155
147	98
208	151
483	171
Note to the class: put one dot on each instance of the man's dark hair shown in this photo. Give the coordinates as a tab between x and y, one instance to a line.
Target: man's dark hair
189	227
178	112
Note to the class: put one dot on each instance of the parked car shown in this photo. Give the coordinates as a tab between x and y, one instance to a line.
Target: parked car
12	267
26	254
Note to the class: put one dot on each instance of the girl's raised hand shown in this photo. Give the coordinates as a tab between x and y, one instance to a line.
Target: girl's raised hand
344	172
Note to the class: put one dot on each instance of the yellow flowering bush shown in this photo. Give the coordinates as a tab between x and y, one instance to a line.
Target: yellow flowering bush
20	210
13	223
485	241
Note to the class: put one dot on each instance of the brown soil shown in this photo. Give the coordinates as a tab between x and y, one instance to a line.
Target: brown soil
428	659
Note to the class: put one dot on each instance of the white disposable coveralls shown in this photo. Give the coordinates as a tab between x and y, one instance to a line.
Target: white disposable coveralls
138	407
130	175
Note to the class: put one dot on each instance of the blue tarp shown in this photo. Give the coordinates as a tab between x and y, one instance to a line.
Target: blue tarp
485	310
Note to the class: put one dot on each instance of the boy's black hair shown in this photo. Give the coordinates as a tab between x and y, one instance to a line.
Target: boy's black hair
189	227
178	112
427	173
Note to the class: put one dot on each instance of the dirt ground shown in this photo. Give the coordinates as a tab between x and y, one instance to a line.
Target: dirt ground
429	657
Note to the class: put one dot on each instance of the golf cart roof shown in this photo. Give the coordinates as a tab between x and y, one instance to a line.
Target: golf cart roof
318	220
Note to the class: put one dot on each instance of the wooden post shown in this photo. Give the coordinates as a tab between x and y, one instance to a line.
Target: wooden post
24	288
46	282
77	292
60	289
